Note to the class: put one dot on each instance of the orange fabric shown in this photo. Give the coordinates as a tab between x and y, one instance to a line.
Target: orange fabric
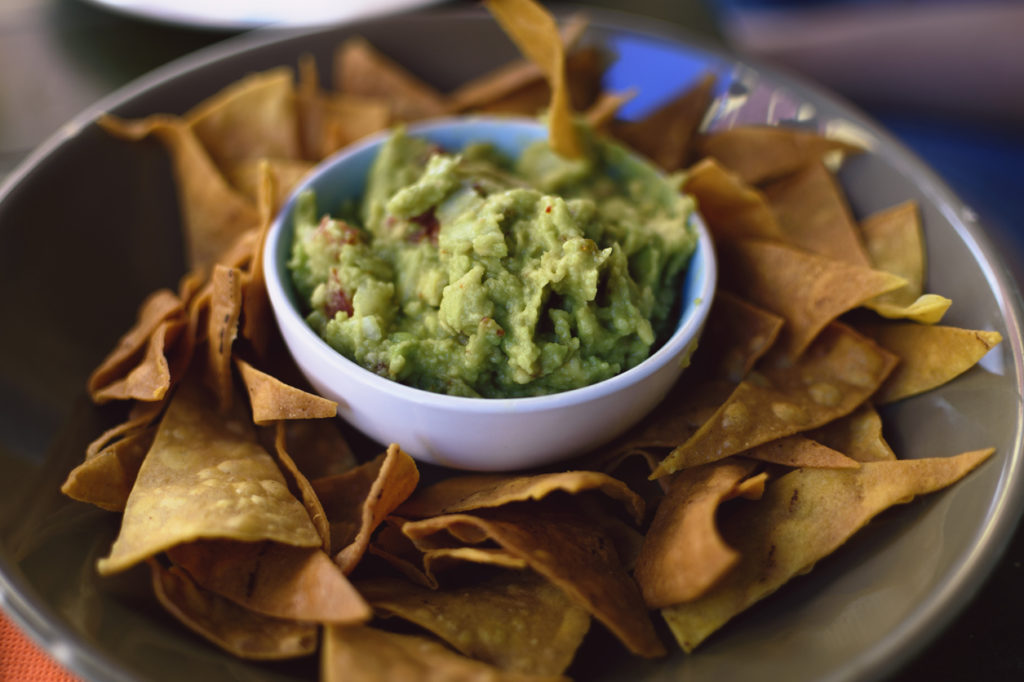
22	660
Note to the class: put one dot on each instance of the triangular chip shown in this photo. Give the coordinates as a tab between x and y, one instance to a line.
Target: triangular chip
205	477
736	335
273	400
930	355
798	451
150	380
836	374
301	484
858	435
515	620
731	208
106	479
803	517
221	331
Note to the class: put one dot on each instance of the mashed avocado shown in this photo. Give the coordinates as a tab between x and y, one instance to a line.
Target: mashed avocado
475	275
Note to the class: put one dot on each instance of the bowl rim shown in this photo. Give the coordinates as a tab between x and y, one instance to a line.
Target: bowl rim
691	319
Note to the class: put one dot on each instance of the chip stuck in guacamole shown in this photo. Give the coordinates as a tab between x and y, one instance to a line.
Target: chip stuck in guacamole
466	273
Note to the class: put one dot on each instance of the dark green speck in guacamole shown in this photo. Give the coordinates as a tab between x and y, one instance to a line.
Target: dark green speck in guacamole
470	274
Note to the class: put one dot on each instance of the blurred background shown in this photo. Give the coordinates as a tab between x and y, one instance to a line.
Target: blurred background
946	77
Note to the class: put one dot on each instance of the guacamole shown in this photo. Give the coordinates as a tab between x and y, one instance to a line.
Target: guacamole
475	275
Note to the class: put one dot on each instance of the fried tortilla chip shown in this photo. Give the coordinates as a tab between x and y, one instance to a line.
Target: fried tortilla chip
106	479
736	335
797	451
895	243
252	118
815	215
803	517
221	331
157	308
930	355
534	31
286	175
761	153
234	629
602	112
730	208
358	501
360	69
205	476
514	620
858	435
833	377
363	654
806	289
665	136
301	484
682	553
274	580
214	213
563	545
318	448
150	380
273	400
483	491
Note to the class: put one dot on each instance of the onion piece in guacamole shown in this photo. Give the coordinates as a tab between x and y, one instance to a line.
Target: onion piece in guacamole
466	273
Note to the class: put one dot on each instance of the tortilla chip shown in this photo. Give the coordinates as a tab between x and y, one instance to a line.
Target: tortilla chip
603	111
895	244
563	545
221	330
250	119
666	135
363	654
234	629
815	215
285	173
534	31
682	553
797	451
141	415
930	355
360	69
214	213
274	580
514	620
273	400
833	377
858	435
485	491
157	308
761	153
318	448
806	289
804	516
358	501
305	489
106	479
150	380
736	335
205	477
730	208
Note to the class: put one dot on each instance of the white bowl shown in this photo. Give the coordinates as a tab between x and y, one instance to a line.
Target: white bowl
482	434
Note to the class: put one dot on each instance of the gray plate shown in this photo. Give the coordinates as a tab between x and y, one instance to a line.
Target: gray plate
89	225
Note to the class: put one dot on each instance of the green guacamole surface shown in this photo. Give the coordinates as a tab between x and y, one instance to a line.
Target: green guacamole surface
473	275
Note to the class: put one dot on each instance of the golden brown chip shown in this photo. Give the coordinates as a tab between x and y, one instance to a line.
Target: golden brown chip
761	153
361	69
150	380
305	489
221	331
858	435
815	215
214	213
106	479
603	111
363	654
158	307
274	580
665	136
804	516
930	355
736	335
205	476
797	451
683	554
358	501
250	119
318	448
515	620
730	208
895	243
806	289
483	491
833	377
237	630
534	31
285	173
563	545
273	400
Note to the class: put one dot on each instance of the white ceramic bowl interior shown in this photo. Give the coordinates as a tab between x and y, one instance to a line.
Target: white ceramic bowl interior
482	434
